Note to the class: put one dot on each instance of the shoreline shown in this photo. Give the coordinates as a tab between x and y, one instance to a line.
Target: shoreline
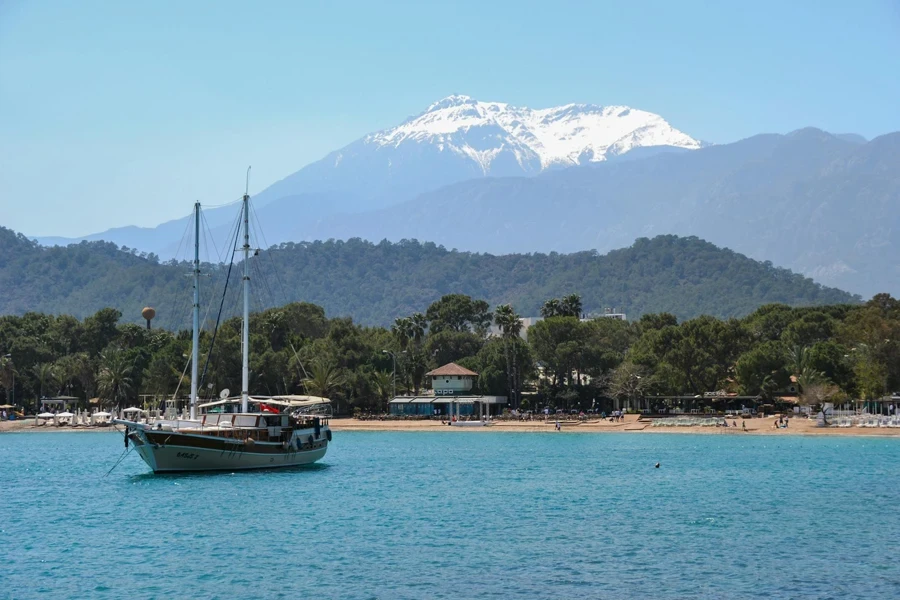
27	426
631	424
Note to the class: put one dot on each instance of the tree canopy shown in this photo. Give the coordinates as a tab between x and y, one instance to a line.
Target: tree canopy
378	283
825	352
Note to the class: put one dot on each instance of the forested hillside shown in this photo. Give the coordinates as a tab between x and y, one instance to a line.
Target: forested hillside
830	354
375	283
809	201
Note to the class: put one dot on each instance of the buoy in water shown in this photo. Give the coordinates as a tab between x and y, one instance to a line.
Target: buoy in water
657	465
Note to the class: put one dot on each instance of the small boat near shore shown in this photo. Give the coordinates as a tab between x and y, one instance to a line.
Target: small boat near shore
228	435
225	442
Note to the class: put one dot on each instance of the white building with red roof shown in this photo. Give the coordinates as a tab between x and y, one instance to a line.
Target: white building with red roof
452	380
452	386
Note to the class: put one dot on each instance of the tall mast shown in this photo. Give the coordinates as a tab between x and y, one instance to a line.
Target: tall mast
195	345
245	343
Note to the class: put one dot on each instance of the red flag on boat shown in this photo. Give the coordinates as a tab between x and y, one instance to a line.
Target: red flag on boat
267	408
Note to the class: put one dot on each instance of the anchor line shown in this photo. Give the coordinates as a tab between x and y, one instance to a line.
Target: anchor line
121	458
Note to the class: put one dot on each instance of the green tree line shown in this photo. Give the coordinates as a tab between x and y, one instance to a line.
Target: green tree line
829	352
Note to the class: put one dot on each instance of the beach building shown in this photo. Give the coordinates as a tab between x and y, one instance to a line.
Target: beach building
608	313
451	387
528	322
58	403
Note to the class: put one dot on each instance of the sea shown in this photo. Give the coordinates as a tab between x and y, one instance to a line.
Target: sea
460	514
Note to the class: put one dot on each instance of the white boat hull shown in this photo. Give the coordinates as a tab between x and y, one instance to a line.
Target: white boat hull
171	452
173	459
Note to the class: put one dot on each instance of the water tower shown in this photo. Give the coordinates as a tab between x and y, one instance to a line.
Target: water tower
148	313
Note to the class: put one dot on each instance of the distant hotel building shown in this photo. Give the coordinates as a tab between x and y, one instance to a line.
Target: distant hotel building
527	322
450	384
608	313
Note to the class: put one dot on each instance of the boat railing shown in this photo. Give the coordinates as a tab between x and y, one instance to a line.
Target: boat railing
323	411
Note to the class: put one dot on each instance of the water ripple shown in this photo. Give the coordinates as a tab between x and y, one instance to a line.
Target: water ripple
460	515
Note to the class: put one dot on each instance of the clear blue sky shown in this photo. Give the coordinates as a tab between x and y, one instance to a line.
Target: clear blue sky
115	113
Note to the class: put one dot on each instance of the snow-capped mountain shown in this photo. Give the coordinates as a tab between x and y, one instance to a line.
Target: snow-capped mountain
538	139
454	140
459	138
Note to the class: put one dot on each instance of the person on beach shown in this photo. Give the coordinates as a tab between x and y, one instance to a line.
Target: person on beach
744	425
557	424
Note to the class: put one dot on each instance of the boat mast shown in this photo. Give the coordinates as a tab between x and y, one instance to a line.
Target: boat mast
245	343
195	344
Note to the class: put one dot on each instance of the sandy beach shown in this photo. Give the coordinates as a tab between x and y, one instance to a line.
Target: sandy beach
631	424
27	426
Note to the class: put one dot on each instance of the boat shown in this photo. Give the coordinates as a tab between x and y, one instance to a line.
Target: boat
226	435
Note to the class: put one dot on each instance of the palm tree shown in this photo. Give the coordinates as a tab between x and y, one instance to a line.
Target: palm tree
66	370
159	377
401	330
416	327
46	376
7	376
114	379
324	379
571	306
383	382
416	365
510	325
84	373
551	308
798	362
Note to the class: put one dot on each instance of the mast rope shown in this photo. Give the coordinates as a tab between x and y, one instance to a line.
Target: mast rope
212	342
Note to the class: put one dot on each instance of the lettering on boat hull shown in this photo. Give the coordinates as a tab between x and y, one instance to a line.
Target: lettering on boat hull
182	452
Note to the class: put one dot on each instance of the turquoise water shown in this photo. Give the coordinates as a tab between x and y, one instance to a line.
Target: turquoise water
460	514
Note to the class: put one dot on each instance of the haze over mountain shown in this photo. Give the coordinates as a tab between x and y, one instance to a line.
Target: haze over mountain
375	283
489	177
455	139
822	206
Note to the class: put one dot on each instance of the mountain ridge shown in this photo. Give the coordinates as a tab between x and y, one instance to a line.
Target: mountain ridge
817	204
473	140
375	283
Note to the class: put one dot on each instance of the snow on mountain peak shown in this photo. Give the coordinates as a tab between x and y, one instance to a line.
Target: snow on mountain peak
560	136
452	100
